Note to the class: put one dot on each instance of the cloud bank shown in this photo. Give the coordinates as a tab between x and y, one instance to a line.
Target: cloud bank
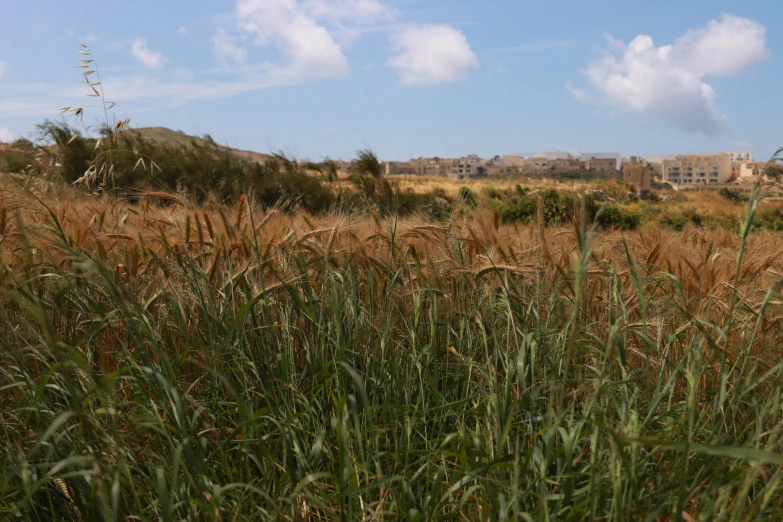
668	82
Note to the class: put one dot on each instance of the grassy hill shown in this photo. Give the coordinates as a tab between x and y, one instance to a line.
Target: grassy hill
166	136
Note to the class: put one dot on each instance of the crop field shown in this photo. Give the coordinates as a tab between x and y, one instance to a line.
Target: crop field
171	360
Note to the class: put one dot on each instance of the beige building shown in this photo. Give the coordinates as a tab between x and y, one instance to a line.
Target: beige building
752	169
603	166
391	168
698	169
512	161
467	167
638	173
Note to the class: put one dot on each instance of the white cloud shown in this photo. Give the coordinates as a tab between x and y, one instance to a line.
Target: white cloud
431	54
182	31
286	24
342	11
667	82
225	48
145	55
6	136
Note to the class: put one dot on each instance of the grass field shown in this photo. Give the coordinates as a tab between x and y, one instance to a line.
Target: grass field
166	361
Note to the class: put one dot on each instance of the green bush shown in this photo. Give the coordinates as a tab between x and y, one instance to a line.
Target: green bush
734	195
674	222
494	193
770	218
556	207
467	196
521	210
626	217
14	163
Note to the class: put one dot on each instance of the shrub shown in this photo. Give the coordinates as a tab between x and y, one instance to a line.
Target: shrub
521	210
467	196
494	193
736	196
626	217
674	222
556	206
770	218
14	163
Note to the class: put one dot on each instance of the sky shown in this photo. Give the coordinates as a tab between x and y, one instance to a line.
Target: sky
408	78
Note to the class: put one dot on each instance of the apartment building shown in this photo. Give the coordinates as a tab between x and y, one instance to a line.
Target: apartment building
739	157
467	167
698	169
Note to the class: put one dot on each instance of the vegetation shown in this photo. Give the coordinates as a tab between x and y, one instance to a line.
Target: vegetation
244	348
236	362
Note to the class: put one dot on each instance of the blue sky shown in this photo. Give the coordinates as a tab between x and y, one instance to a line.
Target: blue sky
318	78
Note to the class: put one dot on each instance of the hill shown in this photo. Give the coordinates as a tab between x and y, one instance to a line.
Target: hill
166	136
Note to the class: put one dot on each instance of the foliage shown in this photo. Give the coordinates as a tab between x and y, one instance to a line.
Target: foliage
770	218
521	210
14	163
619	217
75	151
736	196
676	222
197	363
494	193
467	196
367	177
23	144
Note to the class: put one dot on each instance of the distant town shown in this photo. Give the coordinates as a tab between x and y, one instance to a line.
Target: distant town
687	170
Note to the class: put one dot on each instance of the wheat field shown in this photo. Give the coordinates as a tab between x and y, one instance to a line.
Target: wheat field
164	360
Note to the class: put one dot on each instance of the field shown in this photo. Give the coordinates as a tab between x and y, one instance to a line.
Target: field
167	360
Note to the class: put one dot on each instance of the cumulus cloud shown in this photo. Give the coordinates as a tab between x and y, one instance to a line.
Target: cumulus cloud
182	31
430	54
145	55
346	11
289	26
224	47
6	136
668	82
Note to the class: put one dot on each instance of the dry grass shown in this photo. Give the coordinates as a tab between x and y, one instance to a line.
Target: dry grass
170	361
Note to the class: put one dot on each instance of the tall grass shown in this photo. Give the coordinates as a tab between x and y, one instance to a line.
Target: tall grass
167	361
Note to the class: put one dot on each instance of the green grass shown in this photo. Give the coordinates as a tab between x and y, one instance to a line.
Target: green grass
366	382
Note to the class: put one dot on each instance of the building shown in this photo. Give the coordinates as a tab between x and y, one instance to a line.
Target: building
514	161
552	163
606	167
638	173
698	169
398	167
467	167
752	169
739	157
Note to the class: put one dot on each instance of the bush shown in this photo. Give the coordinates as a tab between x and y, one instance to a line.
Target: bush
736	196
14	163
556	206
626	217
521	210
494	193
676	222
467	196
770	218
